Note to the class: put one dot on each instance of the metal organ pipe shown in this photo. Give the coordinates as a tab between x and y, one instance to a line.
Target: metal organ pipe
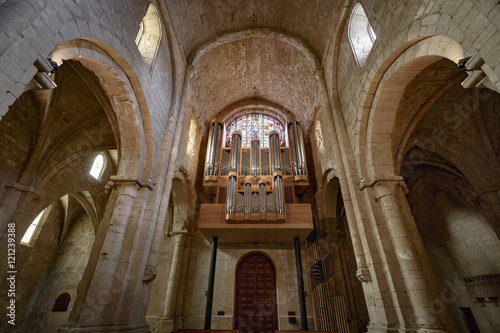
231	194
293	149
297	148
248	198
255	157
302	154
274	143
208	167
218	143
236	152
278	188
262	198
213	149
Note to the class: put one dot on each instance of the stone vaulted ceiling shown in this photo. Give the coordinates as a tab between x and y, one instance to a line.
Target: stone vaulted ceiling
253	50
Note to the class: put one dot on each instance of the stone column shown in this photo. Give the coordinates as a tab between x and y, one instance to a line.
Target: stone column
96	310
169	312
411	264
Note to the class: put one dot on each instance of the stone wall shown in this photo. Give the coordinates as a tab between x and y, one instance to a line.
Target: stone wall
64	277
283	256
459	245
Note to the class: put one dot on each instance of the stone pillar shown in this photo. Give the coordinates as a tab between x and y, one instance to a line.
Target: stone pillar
98	309
414	288
175	270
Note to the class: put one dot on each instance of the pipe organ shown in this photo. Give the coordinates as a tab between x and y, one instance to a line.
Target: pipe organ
213	150
254	184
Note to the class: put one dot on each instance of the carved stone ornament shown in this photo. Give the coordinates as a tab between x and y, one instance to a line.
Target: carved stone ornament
484	288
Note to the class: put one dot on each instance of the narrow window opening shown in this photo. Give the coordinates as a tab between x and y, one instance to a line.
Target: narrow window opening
97	167
28	235
62	303
149	36
361	35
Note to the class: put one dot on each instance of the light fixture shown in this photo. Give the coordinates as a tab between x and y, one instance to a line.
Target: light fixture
461	64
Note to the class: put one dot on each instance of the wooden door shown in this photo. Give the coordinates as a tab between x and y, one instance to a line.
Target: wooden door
255	303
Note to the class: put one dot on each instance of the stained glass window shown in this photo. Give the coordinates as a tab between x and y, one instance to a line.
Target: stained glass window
255	125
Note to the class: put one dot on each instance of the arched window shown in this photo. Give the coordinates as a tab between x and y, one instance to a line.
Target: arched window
28	235
149	36
255	125
62	303
97	167
361	35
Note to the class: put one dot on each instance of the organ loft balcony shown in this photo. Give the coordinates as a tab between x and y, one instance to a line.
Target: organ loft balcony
256	182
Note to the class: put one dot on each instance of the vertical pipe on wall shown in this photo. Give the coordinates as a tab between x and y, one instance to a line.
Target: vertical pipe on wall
211	279
300	281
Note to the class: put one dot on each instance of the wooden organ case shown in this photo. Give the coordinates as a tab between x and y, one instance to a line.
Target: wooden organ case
255	189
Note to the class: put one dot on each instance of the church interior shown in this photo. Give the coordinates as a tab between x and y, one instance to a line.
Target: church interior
250	166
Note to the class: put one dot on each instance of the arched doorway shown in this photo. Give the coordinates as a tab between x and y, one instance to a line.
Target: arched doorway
255	300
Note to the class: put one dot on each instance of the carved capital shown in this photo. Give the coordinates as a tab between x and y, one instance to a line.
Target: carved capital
363	274
149	273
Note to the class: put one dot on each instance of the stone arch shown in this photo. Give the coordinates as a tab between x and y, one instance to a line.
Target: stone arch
458	240
241	107
120	91
265	254
149	36
65	270
385	93
332	187
361	34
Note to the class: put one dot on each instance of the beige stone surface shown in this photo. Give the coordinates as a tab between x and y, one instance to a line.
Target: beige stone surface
403	158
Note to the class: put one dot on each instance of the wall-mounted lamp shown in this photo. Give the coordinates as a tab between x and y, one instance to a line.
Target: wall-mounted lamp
461	64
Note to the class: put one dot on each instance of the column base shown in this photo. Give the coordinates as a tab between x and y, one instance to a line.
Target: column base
378	328
141	327
165	325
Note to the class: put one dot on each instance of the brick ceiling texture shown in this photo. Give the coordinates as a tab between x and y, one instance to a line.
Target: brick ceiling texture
253	50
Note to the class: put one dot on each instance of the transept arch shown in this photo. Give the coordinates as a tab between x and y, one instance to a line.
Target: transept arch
124	100
385	92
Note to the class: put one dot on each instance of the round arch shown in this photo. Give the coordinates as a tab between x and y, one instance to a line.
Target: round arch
255	292
122	98
386	90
